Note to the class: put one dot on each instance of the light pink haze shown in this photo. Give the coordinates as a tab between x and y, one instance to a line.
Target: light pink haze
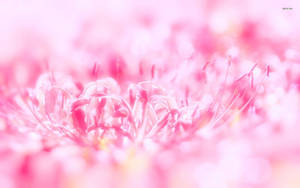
149	93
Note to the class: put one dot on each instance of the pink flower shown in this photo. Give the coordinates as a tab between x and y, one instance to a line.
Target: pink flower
149	94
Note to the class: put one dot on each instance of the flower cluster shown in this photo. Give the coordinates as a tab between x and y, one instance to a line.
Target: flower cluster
157	94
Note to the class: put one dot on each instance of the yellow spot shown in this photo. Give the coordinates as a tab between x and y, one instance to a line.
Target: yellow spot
236	118
134	162
103	144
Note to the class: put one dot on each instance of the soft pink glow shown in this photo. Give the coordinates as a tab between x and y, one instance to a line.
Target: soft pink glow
149	94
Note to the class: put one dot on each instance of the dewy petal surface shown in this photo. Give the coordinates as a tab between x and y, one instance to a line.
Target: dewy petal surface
130	93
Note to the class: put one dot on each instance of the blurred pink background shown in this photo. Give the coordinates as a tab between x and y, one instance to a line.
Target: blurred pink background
149	93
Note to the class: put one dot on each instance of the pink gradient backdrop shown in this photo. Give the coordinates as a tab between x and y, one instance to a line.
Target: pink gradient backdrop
160	93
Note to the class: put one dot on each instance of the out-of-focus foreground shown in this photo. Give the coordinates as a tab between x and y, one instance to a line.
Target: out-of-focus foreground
193	93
